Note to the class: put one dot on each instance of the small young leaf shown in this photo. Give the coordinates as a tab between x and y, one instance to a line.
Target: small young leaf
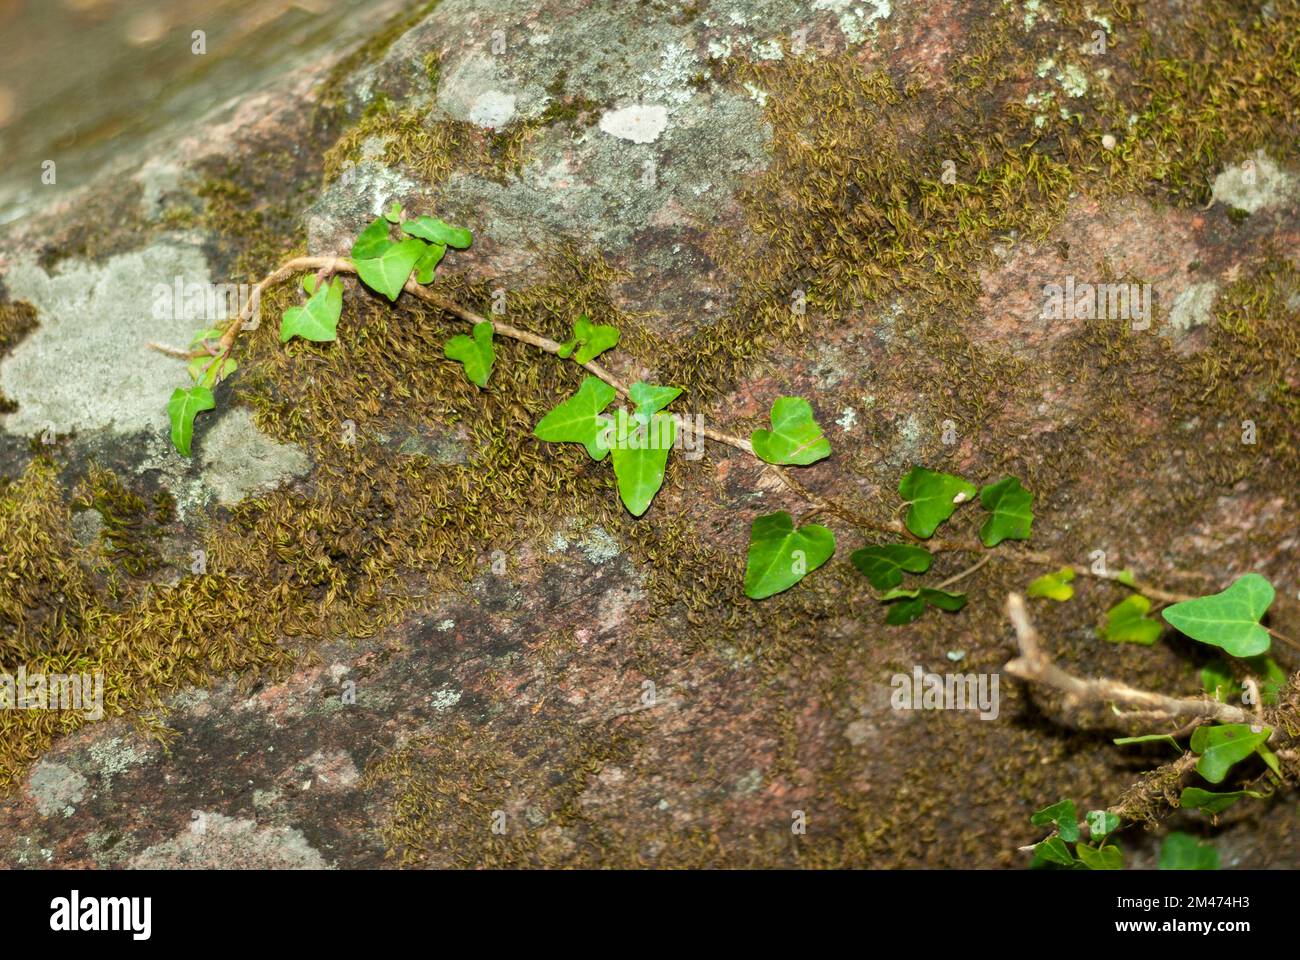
182	408
318	318
883	565
1229	619
1101	823
371	242
1194	798
566	349
1274	678
780	556
1126	577
1012	507
640	469
593	339
438	231
1052	850
394	212
1217	680
381	264
578	419
1181	851
933	498
1107	857
1054	586
207	372
476	354
1126	622
650	399
1223	746
915	602
1063	815
428	262
794	438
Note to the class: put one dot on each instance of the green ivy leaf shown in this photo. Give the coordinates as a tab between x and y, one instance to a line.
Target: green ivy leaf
932	497
207	372
915	602
1012	507
1181	851
1229	619
1126	577
1054	586
1194	798
591	339
794	438
1127	622
650	399
1063	816
1052	850
1269	758
1273	678
883	565
640	468
383	265
476	353
428	262
579	419
394	212
1106	857
182	408
1101	823
438	231
1217	680
1223	746
318	318
780	556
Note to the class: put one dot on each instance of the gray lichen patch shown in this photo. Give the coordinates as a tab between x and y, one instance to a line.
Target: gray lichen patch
1254	184
215	841
238	459
55	787
86	366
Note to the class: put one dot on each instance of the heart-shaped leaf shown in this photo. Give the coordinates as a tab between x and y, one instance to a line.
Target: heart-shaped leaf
794	438
1106	857
1182	851
914	603
318	318
884	565
640	458
1101	823
1127	622
1194	798
1052	850
428	262
651	398
780	556
439	232
590	339
579	419
1229	619
1054	586
1012	507
371	242
1223	746
182	408
933	498
1063	816
383	265
475	353
393	212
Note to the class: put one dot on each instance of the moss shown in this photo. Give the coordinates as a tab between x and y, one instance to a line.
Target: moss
17	320
133	526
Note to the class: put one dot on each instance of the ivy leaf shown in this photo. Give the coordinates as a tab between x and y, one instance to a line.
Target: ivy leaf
640	468
780	556
591	339
1107	857
1054	586
1127	622
1182	851
318	318
207	371
211	333
1052	850
394	212
438	231
1101	823
182	408
476	354
1063	816
578	419
883	565
1223	746
566	349
1217	680
933	498
1229	619
1194	798
794	438
1012	507
915	602
650	399
428	262
383	265
1274	678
